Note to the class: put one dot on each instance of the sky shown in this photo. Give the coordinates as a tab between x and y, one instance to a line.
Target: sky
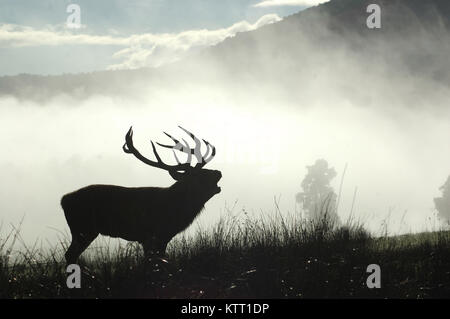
123	34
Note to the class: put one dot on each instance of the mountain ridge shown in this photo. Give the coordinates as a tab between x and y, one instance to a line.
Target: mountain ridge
328	27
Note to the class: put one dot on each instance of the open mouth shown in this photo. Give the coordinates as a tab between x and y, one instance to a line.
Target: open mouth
218	189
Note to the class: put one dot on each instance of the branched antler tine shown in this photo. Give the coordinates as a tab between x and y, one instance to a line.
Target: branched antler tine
208	148
178	145
188	151
129	148
198	144
169	146
212	154
172	138
165	146
128	141
204	157
158	158
185	149
176	158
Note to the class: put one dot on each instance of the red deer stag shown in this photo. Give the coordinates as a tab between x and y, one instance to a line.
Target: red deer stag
151	216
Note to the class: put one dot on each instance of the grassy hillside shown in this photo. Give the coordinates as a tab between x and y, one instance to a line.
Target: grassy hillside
242	258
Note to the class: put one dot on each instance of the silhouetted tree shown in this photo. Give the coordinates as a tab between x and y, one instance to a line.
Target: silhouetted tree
318	197
442	203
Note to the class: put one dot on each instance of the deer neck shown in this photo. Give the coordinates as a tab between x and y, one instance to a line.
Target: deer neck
190	199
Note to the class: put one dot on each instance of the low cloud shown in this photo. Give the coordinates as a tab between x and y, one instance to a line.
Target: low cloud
139	50
156	50
277	3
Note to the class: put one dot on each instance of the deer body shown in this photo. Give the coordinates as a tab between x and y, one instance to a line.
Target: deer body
149	215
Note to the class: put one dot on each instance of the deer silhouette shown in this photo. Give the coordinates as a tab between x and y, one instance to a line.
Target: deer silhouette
151	216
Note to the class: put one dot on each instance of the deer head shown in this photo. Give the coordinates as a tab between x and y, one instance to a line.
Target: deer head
191	179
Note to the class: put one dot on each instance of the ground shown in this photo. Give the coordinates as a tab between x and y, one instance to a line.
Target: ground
243	259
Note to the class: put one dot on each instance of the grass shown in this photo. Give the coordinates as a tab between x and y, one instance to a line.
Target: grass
241	257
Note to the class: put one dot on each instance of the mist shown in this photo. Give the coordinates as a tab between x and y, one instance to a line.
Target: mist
269	111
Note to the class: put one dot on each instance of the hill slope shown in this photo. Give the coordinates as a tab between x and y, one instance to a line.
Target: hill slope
414	37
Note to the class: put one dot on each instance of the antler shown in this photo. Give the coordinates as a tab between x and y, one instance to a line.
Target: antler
202	160
129	148
174	170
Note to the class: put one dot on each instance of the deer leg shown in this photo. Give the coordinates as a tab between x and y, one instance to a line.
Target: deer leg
79	243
